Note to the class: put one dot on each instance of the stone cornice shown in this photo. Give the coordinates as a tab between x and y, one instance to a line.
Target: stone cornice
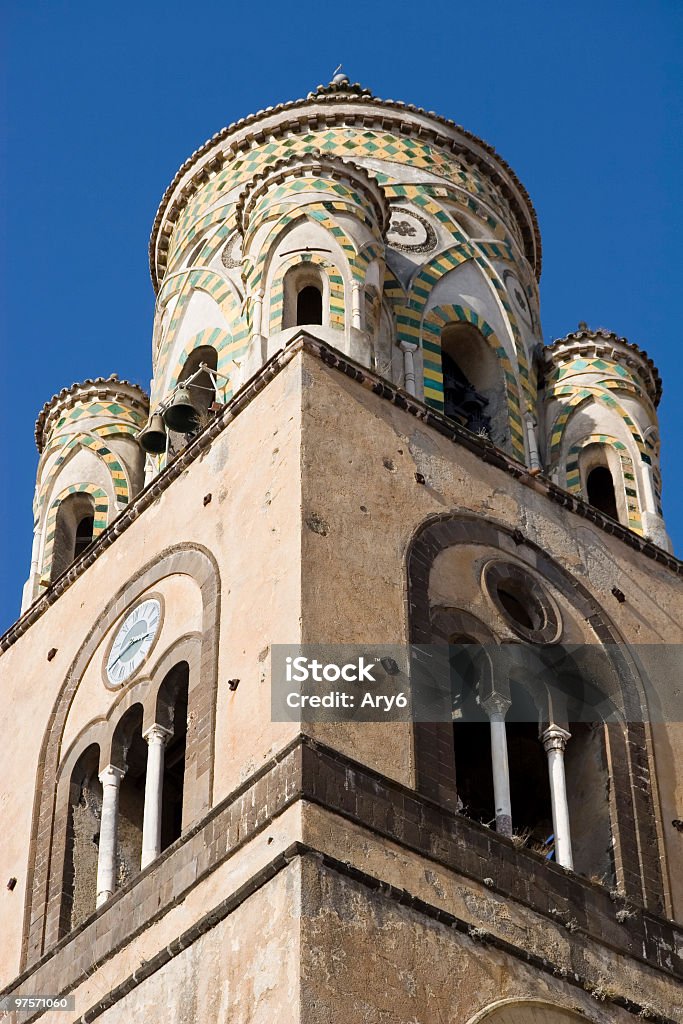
327	108
302	342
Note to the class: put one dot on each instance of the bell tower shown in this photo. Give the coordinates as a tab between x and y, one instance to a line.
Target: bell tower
356	442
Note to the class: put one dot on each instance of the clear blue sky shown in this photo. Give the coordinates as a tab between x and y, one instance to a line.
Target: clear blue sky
101	103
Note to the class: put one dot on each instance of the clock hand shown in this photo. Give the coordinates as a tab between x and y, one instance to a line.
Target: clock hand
131	643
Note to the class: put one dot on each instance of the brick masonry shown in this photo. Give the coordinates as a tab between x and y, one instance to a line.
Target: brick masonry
307	771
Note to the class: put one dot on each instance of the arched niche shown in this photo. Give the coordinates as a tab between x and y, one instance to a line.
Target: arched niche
637	849
44	883
474	392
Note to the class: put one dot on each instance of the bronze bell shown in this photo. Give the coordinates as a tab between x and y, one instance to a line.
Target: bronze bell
153	437
181	415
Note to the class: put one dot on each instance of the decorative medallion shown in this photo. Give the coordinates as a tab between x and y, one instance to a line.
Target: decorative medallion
231	256
518	298
409	232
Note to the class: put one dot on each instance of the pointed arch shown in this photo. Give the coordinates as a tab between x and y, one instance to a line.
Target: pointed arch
255	271
573	476
577	399
222	342
185	283
441	316
100	515
95	445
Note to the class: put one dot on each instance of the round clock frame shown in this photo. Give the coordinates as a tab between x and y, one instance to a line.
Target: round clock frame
126	624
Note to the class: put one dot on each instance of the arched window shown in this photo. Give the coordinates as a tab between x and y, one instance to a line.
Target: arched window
202	390
305	296
471	733
600	491
473	386
129	752
309	305
73	531
601	472
172	715
82	841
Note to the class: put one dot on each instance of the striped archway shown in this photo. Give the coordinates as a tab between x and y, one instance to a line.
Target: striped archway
432	328
336	286
101	513
573	475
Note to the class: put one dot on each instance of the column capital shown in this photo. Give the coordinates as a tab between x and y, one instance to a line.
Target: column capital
408	346
158	733
496	704
555	738
111	775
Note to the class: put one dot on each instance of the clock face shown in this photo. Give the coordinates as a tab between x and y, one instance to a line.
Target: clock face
133	641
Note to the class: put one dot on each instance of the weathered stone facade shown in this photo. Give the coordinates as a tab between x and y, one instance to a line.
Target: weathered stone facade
329	872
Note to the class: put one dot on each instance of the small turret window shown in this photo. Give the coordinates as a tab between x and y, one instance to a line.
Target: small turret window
305	297
600	491
309	306
73	531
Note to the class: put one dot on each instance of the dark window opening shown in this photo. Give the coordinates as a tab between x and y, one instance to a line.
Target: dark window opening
520	606
129	744
471	733
462	402
473	772
600	489
174	774
172	714
532	818
309	306
82	842
84	532
73	531
202	391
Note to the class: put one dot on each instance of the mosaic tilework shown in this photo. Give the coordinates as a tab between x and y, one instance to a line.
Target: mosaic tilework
336	285
84	409
620	380
101	513
434	323
342	142
221	341
95	445
573	476
118	430
184	284
320	212
578	397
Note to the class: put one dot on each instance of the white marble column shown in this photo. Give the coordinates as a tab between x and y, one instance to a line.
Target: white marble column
257	313
532	443
496	708
355	306
110	778
157	737
554	740
408	349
